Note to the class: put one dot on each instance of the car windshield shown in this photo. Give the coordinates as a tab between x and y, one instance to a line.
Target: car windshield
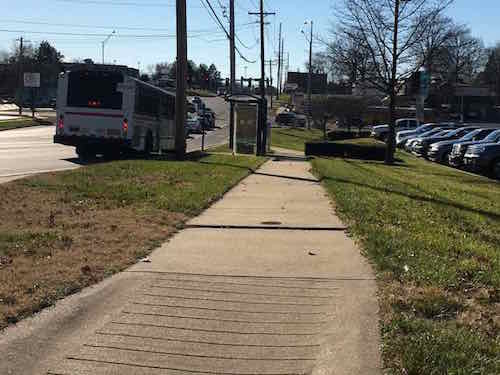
425	127
471	135
433	132
493	137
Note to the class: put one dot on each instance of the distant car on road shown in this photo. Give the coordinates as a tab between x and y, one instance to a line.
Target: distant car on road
194	124
456	158
286	118
484	158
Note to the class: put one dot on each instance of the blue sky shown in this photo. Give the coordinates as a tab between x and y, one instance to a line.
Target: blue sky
145	28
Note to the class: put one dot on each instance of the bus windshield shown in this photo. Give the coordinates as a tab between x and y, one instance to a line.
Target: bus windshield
94	89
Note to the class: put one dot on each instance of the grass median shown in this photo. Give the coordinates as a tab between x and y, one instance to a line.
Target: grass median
294	138
433	234
17	123
63	231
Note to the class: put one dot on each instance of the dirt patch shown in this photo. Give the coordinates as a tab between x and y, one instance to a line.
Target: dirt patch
56	248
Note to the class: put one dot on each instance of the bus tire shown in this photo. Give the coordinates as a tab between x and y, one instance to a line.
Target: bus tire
148	145
84	153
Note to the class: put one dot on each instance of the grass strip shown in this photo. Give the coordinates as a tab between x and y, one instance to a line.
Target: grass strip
433	235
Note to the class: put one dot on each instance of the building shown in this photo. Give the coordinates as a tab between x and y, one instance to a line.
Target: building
319	82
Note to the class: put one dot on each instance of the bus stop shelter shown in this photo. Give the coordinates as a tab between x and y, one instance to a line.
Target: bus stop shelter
251	133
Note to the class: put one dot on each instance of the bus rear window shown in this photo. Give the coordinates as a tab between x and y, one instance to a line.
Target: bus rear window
91	89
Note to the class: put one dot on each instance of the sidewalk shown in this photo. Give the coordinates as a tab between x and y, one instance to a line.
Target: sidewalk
263	282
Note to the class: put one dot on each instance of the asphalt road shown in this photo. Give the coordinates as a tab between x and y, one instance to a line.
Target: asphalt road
31	150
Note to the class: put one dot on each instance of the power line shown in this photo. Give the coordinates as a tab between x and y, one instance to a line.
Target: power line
113	27
217	20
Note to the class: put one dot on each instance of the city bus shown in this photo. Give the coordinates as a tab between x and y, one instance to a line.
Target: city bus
107	111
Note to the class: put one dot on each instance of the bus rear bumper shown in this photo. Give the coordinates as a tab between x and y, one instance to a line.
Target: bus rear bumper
99	144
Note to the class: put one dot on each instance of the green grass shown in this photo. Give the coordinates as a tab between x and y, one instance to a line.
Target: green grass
72	229
17	123
293	138
222	148
433	234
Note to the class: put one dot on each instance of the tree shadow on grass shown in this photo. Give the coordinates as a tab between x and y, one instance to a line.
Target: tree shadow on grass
421	198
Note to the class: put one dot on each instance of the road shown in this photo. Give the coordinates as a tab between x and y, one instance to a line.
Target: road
30	151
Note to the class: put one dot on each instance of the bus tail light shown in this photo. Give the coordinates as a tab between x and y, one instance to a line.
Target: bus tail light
125	126
60	124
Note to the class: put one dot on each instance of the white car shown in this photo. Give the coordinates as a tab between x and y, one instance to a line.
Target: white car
382	131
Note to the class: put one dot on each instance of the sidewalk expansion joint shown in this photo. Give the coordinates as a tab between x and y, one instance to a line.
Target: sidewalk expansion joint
213	343
180	354
174	368
265	227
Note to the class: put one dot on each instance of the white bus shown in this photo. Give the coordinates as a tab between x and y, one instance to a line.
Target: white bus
106	111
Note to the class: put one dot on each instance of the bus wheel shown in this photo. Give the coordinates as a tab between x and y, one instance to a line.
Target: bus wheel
84	153
148	146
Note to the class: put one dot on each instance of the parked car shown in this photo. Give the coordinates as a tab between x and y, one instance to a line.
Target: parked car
440	151
404	135
483	158
456	158
408	145
382	131
422	146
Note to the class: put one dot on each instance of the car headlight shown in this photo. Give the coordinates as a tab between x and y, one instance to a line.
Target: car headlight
476	150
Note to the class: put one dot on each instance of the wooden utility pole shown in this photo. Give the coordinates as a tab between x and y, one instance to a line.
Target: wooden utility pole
309	81
278	81
262	123
232	54
180	102
271	81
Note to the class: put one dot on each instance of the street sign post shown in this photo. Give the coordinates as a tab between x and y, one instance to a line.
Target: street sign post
423	93
32	81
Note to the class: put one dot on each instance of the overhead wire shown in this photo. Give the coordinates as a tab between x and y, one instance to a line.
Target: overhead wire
216	18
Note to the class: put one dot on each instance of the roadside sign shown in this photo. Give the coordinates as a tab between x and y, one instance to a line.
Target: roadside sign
31	79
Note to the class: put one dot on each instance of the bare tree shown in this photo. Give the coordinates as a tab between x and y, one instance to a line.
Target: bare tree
389	30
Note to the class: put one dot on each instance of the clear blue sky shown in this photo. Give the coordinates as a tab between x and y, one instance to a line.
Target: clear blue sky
207	44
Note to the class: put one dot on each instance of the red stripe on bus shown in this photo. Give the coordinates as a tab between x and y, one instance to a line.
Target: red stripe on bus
94	114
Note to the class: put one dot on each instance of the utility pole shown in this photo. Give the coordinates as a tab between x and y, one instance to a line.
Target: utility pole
271	80
309	81
282	64
180	102
232	49
261	129
21	75
278	81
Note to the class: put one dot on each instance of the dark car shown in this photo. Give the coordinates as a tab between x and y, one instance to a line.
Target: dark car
484	158
286	118
421	147
457	154
440	151
408	145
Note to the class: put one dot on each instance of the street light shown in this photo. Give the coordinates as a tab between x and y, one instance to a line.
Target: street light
103	43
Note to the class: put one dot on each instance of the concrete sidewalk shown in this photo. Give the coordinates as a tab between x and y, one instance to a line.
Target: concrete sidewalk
263	282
